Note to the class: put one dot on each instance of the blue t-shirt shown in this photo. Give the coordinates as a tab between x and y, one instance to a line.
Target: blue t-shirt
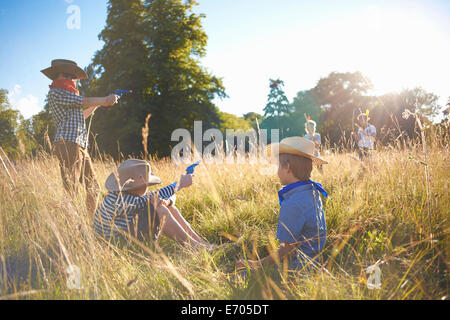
302	220
309	136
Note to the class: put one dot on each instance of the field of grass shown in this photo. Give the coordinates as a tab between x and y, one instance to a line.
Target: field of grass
385	212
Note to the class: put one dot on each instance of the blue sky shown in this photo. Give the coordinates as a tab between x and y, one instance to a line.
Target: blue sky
396	44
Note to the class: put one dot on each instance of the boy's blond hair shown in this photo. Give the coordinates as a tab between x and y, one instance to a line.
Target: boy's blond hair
301	167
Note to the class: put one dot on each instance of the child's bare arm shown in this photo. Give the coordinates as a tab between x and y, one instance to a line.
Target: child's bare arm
100	101
93	103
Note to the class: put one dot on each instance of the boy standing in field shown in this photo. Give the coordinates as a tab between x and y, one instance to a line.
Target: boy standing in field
311	134
301	228
365	136
129	209
71	140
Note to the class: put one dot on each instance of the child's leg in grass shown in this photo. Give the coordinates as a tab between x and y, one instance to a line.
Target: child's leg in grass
91	183
172	229
69	164
185	225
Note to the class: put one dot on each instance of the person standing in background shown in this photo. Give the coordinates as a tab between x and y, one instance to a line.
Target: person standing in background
69	111
311	134
365	136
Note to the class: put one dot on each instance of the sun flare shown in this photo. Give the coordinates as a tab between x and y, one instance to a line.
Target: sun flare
398	50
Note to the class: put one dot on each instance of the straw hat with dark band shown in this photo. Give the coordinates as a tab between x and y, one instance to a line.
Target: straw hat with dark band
295	145
127	174
64	66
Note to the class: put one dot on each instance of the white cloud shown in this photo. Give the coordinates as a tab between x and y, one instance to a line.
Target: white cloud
15	91
28	105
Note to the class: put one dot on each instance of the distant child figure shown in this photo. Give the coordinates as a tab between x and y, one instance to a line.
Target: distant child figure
311	134
301	228
130	209
365	136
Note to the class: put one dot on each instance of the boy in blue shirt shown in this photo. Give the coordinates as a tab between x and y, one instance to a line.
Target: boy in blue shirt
301	226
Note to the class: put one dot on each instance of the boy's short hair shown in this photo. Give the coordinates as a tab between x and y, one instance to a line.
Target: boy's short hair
301	167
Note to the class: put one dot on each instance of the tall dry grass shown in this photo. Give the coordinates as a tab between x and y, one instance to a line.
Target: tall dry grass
375	212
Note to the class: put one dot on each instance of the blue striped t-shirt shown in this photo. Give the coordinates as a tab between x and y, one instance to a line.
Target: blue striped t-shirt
118	209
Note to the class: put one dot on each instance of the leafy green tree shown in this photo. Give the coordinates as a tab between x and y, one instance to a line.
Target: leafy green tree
19	136
277	102
153	47
88	87
36	133
341	89
43	129
26	142
9	122
305	105
387	116
341	96
277	109
119	65
254	119
231	121
420	101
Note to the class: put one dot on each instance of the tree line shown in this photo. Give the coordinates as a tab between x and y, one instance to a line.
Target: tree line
333	103
154	48
336	101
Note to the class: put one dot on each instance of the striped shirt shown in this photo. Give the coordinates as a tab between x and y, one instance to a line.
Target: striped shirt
67	112
118	210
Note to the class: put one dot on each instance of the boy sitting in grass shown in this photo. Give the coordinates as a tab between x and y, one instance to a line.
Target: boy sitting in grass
130	210
301	226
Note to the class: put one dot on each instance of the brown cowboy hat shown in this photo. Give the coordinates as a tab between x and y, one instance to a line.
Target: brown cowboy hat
125	177
295	145
64	66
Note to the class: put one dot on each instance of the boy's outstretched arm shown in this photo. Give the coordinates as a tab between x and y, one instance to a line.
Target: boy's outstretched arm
283	250
93	103
167	191
163	193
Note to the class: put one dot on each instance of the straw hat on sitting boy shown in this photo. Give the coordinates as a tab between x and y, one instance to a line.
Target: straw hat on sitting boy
128	175
295	145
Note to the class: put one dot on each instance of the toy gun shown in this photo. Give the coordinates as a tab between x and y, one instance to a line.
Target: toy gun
190	169
121	92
